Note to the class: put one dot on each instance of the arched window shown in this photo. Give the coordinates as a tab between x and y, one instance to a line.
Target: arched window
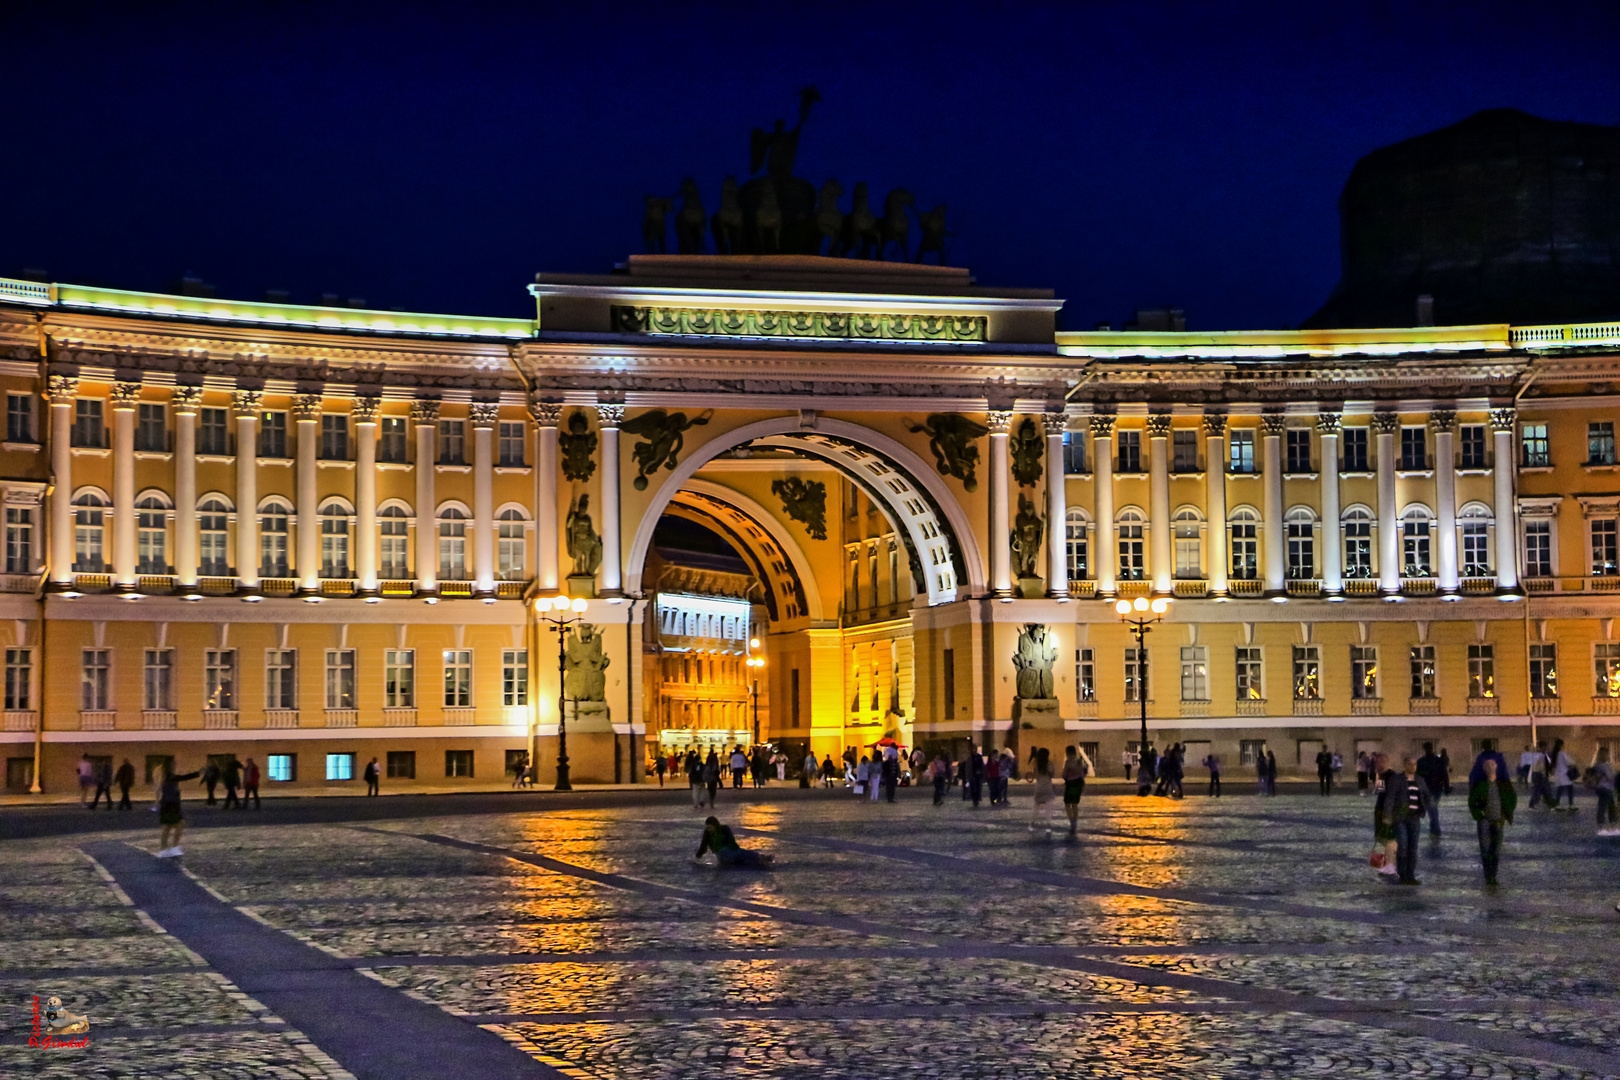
393	554
1189	543
152	535
1357	523
1301	525
1417	526
212	517
275	521
1245	529
89	517
452	544
510	549
1476	520
1077	538
334	540
1132	559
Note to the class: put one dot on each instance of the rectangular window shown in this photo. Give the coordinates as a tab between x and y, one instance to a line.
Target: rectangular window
1194	673
1130	451
1473	446
95	680
1307	673
458	678
211	539
334	437
510	546
393	555
511	443
1423	669
151	539
88	428
1481	671
1132	556
274	525
1606	665
282	768
1189	548
1543	670
1249	751
1355	449
458	763
1184	450
1600	442
1358	548
947	666
1136	674
1535	449
334	543
340	678
1245	551
151	427
452	442
281	679
1301	550
273	434
1538	548
1249	672
402	764
158	684
1074	452
1085	676
1298	458
1078	548
19	679
453	546
19	418
399	679
1415	548
514	677
1414	449
1605	551
1475	549
1363	672
392	440
19	540
1240	451
219	679
340	766
213	431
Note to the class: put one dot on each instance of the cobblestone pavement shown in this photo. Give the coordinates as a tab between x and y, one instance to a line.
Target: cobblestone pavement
1239	938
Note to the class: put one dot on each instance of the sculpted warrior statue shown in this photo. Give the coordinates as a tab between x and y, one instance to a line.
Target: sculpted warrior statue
584	545
585	678
1028	527
776	149
1034	659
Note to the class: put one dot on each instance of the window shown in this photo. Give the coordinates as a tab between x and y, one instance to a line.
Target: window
393	555
1605	554
1130	451
273	434
1355	449
1184	450
1249	672
152	532
1543	670
1245	546
1476	557
19	418
19	679
340	766
95	682
213	431
458	678
274	526
340	678
1249	751
282	768
158	684
1136	674
514	677
1415	545
1363	672
1074	452
392	443
1189	544
1538	548
1473	446
1132	561
510	551
1358	544
458	763
1085	676
281	679
89	510
1077	544
334	437
1298	446
1534	447
1194	673
1600	442
1240	451
219	679
151	427
1414	449
452	544
1301	545
1606	662
334	541
1307	673
211	539
452	442
402	764
88	428
399	679
1422	671
511	443
1481	671
19	540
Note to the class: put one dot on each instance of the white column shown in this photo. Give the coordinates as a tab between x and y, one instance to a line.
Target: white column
1159	527
1507	536
1445	497
1215	481
307	413
1000	530
125	397
366	411
425	414
247	488
609	417
546	416
186	399
484	418
1057	508
1385	424
1327	425
1275	530
62	392
1103	552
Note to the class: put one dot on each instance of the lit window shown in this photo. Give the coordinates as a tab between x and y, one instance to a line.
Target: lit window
1363	672
1600	443
95	679
1136	674
1481	671
1085	676
1423	671
219	679
282	768
1249	687
1245	546
457	678
514	677
158	684
1240	451
399	679
1543	670
340	678
1307	673
1194	673
1132	555
1536	449
1606	657
281	679
340	766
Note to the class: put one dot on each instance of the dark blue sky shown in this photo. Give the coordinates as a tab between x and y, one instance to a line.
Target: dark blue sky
434	158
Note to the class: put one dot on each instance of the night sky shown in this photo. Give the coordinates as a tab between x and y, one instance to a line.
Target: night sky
434	158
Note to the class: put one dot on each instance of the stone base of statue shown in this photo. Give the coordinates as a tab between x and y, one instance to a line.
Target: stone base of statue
1037	713
1031	588
586	712
582	585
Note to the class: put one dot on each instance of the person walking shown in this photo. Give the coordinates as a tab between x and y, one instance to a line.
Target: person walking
1127	758
373	777
250	784
1076	766
1540	789
694	777
87	778
891	774
1363	766
1603	787
974	786
863	775
171	820
1324	772
1384	846
1041	817
104	776
940	773
1490	802
1564	774
1406	804
126	780
711	775
1271	772
1145	765
210	779
1213	764
992	777
659	765
739	766
874	778
1432	771
810	769
233	780
828	772
1526	760
520	770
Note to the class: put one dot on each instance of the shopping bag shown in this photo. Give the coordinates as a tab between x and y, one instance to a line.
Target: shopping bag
1376	859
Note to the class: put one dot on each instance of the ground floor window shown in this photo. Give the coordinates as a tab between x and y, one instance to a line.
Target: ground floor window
402	764
340	766
282	768
458	763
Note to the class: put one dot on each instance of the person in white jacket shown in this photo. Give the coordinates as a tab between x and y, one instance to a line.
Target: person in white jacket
1564	775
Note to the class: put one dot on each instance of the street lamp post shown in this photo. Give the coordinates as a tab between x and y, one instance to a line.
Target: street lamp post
756	663
1137	615
560	623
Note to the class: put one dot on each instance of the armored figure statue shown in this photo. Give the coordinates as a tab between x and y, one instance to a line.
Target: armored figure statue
1034	659
584	545
1027	449
577	446
585	678
950	439
1028	527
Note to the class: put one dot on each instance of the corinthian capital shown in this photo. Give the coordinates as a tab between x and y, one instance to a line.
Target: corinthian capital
247	402
1055	423
1442	419
126	395
1215	424
1328	423
425	411
483	414
609	416
1503	419
1385	422
307	406
1274	423
1158	425
61	389
367	409
545	413
1102	426
186	399
999	421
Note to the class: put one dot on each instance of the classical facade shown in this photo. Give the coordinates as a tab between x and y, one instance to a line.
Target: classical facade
312	535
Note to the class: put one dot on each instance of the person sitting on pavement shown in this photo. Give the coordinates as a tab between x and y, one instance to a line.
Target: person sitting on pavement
719	839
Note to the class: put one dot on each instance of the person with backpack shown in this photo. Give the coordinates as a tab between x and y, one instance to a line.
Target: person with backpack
1076	767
